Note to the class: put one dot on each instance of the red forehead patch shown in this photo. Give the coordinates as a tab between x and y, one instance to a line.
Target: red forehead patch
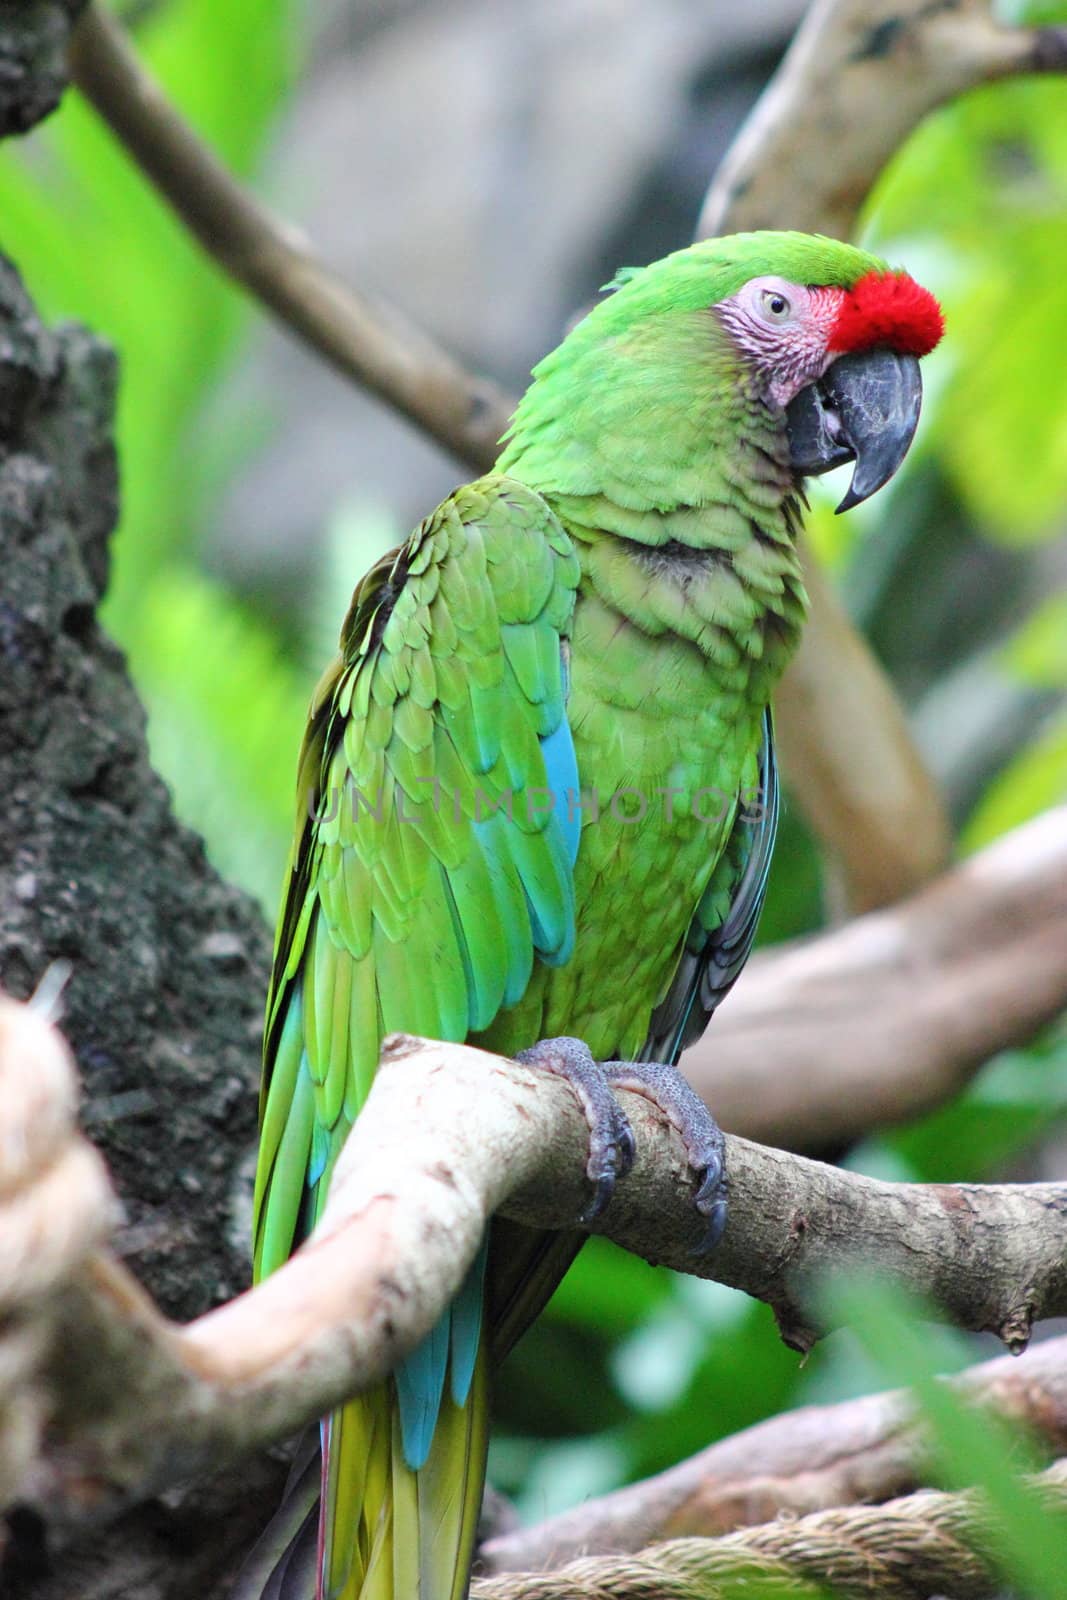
888	308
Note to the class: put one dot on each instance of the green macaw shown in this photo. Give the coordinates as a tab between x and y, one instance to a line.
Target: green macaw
537	799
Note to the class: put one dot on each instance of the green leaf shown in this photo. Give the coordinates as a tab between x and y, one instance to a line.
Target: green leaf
972	1448
95	242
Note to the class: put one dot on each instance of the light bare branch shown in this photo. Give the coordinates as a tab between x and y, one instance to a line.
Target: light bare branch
851	761
858	79
449	1136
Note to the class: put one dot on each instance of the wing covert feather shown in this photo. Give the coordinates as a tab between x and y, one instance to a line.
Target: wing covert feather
424	881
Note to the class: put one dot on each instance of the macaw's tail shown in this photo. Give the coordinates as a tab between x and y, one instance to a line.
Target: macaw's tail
281	1564
388	1532
402	1475
380	1531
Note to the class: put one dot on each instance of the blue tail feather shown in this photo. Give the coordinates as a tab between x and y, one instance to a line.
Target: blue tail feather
467	1325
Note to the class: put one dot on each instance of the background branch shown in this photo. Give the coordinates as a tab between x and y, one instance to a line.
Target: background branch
888	1016
825	127
362	336
851	761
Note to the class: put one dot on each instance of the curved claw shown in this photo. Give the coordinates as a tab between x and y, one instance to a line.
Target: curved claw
611	1141
605	1188
714	1231
710	1185
704	1144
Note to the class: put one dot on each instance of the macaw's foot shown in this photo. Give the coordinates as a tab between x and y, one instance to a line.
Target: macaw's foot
704	1144
611	1142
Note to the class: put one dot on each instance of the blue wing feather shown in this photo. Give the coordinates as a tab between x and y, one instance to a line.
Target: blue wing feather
561	769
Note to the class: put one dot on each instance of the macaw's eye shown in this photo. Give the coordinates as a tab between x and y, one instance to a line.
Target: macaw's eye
776	308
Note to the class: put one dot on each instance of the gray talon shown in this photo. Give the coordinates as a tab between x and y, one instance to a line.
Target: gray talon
712	1183
714	1231
611	1140
704	1144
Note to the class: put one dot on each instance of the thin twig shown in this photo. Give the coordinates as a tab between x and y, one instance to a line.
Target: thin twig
364	337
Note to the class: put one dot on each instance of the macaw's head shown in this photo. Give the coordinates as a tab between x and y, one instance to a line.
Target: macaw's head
834	337
822	338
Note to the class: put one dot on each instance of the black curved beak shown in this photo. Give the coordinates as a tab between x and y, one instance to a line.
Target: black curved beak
864	408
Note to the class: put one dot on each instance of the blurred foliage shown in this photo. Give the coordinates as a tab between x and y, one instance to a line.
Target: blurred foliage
957	574
970	1447
94	242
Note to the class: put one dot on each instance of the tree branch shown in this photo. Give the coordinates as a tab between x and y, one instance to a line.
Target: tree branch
363	337
850	759
859	1451
450	1135
881	1020
858	78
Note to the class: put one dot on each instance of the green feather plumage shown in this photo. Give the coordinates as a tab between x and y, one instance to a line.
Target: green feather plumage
623	522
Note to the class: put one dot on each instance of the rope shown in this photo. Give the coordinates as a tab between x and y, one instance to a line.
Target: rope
924	1544
56	1205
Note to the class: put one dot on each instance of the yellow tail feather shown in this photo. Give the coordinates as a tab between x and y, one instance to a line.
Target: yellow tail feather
394	1534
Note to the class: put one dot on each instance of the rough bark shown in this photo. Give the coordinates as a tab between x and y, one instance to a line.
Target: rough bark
168	963
33	59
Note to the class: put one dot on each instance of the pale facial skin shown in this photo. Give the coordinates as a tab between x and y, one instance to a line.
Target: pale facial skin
784	330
